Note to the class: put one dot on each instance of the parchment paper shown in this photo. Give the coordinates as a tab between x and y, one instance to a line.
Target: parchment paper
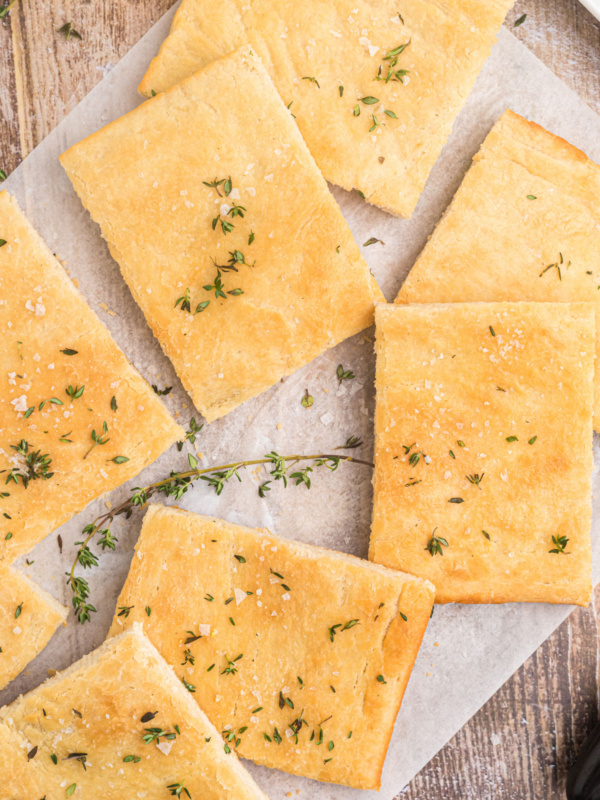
478	647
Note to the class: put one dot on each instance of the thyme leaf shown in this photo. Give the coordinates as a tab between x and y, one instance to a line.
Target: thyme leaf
69	32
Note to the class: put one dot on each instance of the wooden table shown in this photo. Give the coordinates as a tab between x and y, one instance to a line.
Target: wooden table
521	742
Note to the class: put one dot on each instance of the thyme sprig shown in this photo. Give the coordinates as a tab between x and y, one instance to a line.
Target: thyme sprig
391	61
98	438
344	374
191	434
176	485
186	303
560	544
177	789
234	211
436	544
34	465
236	259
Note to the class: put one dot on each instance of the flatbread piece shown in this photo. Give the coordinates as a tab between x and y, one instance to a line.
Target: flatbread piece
116	724
483	449
64	378
29	617
238	256
300	656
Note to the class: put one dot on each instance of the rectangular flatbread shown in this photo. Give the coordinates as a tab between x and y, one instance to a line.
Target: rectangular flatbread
239	256
29	617
300	656
65	381
116	724
374	87
483	449
522	226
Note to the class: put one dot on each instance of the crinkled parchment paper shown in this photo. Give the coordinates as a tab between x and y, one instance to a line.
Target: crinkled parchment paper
479	647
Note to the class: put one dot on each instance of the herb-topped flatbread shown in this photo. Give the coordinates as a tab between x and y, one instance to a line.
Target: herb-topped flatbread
239	256
29	617
374	87
483	449
116	724
300	656
522	226
72	406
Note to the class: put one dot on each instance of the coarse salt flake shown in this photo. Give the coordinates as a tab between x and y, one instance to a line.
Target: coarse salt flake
20	403
240	596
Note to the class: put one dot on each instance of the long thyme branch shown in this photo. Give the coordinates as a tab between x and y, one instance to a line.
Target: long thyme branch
176	485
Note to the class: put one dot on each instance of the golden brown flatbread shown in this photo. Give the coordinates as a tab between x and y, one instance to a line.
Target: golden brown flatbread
226	180
65	378
300	656
116	724
483	449
29	617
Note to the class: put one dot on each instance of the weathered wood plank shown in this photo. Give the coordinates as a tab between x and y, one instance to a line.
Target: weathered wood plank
566	37
10	149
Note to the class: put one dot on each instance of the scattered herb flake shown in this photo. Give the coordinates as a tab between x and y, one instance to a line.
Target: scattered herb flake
69	32
312	80
162	392
307	400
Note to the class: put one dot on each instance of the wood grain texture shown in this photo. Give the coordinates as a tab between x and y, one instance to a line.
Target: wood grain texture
519	746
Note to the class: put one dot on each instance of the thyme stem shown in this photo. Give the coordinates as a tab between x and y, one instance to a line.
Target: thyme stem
176	485
6	9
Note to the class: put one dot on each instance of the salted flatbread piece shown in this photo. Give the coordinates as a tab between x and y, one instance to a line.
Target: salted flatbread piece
374	88
239	256
65	382
524	225
299	655
29	617
483	449
117	723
